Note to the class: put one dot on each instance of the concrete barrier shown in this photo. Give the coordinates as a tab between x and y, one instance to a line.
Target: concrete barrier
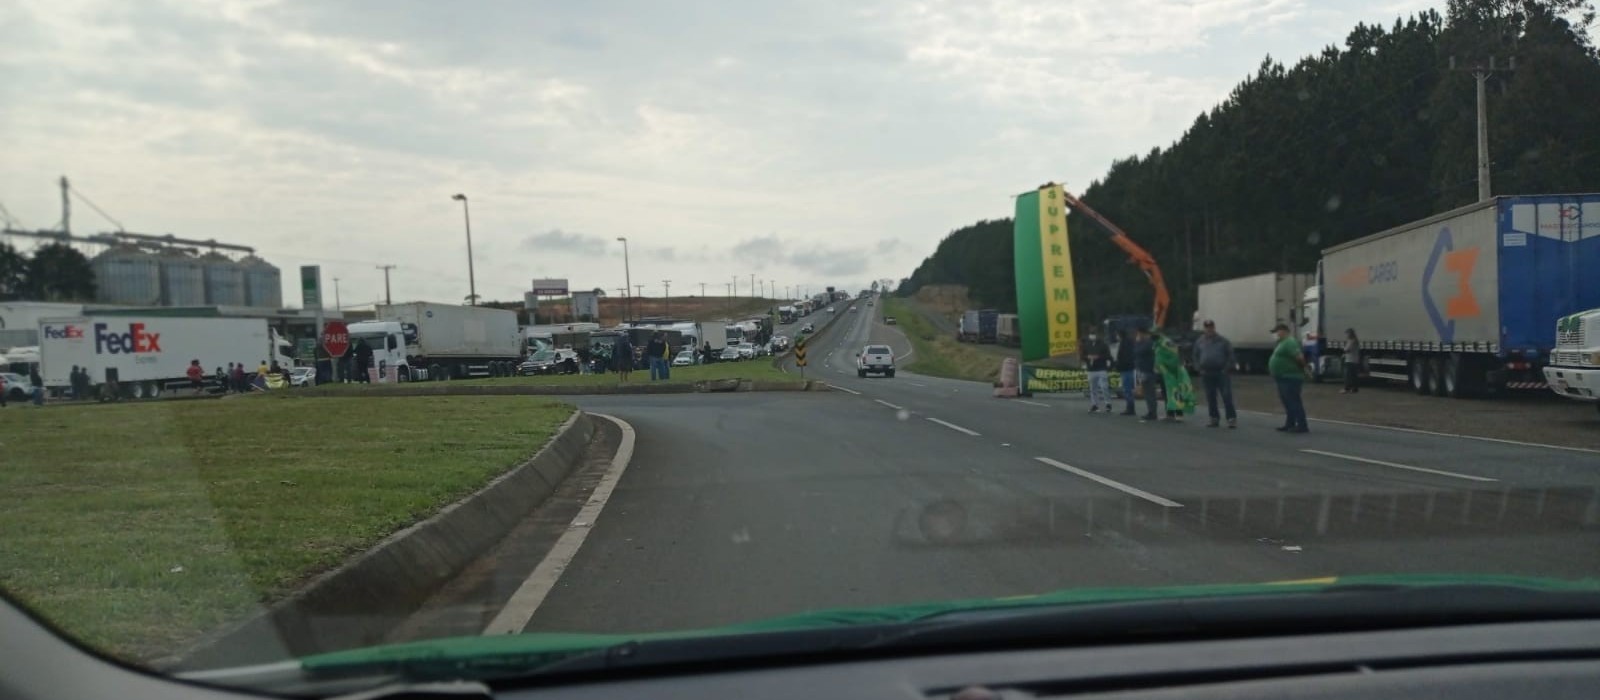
361	601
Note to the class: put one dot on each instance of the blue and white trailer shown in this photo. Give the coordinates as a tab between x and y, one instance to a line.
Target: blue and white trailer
1463	303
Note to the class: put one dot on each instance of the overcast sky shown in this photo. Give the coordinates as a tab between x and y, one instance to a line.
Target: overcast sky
810	142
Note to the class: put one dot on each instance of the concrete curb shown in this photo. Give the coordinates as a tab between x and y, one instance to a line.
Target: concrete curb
361	601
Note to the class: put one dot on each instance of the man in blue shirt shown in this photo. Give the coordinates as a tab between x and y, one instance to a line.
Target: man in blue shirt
1144	360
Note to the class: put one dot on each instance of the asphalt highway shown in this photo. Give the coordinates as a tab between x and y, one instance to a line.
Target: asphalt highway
736	507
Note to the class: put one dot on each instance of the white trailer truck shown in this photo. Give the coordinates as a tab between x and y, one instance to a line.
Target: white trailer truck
1246	309
145	356
1463	303
423	340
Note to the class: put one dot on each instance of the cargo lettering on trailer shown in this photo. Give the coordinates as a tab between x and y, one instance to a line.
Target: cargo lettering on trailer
135	341
67	332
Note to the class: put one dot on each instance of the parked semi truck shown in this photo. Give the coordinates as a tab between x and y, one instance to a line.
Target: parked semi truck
1462	303
1007	331
1574	368
1247	308
423	340
134	356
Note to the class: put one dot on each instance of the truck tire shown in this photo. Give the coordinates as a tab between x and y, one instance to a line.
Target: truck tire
1421	380
402	374
137	390
1436	370
153	391
1456	381
435	373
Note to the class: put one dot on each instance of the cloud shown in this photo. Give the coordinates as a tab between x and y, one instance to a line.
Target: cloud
558	241
807	140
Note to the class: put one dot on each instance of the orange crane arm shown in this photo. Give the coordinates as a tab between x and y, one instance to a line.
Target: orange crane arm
1136	255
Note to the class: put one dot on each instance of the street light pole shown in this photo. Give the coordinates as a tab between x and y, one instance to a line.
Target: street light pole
627	276
337	306
472	281
752	285
666	293
734	287
387	299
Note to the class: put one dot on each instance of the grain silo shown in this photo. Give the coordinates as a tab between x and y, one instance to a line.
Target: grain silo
263	285
224	280
127	275
183	279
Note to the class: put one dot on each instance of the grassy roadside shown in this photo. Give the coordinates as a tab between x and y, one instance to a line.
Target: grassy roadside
138	527
936	353
758	369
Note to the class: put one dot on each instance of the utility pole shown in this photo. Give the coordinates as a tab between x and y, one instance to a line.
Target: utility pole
1481	73
337	306
387	299
640	289
702	290
627	272
733	289
666	293
66	210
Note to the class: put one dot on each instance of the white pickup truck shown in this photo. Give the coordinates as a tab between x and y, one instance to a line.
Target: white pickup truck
877	359
1574	368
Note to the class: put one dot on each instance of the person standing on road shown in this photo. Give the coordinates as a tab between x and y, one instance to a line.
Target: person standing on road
624	357
197	376
1352	362
1288	368
222	381
38	385
1097	360
652	355
1213	356
238	377
1175	377
1126	370
1144	360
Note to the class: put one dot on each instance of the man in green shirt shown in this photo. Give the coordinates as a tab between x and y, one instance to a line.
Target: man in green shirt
1288	369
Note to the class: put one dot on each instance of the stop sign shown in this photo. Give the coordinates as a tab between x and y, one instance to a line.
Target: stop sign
335	338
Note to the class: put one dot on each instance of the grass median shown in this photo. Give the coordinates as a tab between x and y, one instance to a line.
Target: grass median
759	369
936	353
139	527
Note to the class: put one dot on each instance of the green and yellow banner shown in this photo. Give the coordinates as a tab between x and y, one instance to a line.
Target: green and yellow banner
1047	302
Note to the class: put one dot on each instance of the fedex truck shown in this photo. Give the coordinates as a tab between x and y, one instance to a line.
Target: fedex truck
145	356
1463	303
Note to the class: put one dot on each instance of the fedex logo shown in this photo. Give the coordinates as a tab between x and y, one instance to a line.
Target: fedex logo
135	341
67	332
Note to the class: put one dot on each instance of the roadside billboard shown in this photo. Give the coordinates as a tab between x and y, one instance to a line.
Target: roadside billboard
1047	301
549	287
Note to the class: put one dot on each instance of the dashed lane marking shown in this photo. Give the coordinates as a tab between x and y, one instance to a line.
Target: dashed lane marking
952	426
1103	481
890	405
1396	465
840	388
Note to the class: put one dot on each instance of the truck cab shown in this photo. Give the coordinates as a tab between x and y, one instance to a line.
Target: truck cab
1574	367
388	342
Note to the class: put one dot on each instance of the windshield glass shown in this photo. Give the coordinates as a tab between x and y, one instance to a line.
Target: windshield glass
859	307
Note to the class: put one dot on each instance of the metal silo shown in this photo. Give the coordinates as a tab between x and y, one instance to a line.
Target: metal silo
224	280
263	285
127	275
183	279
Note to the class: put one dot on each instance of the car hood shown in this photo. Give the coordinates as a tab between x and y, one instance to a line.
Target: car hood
535	649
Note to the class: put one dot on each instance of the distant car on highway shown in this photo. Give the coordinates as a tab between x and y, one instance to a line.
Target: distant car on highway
548	362
730	353
685	358
830	309
746	351
780	342
808	328
875	359
302	376
854	309
888	321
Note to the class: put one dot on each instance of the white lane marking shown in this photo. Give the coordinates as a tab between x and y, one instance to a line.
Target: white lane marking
1033	403
952	426
916	384
1382	463
1131	491
1416	431
890	405
531	593
902	357
840	388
